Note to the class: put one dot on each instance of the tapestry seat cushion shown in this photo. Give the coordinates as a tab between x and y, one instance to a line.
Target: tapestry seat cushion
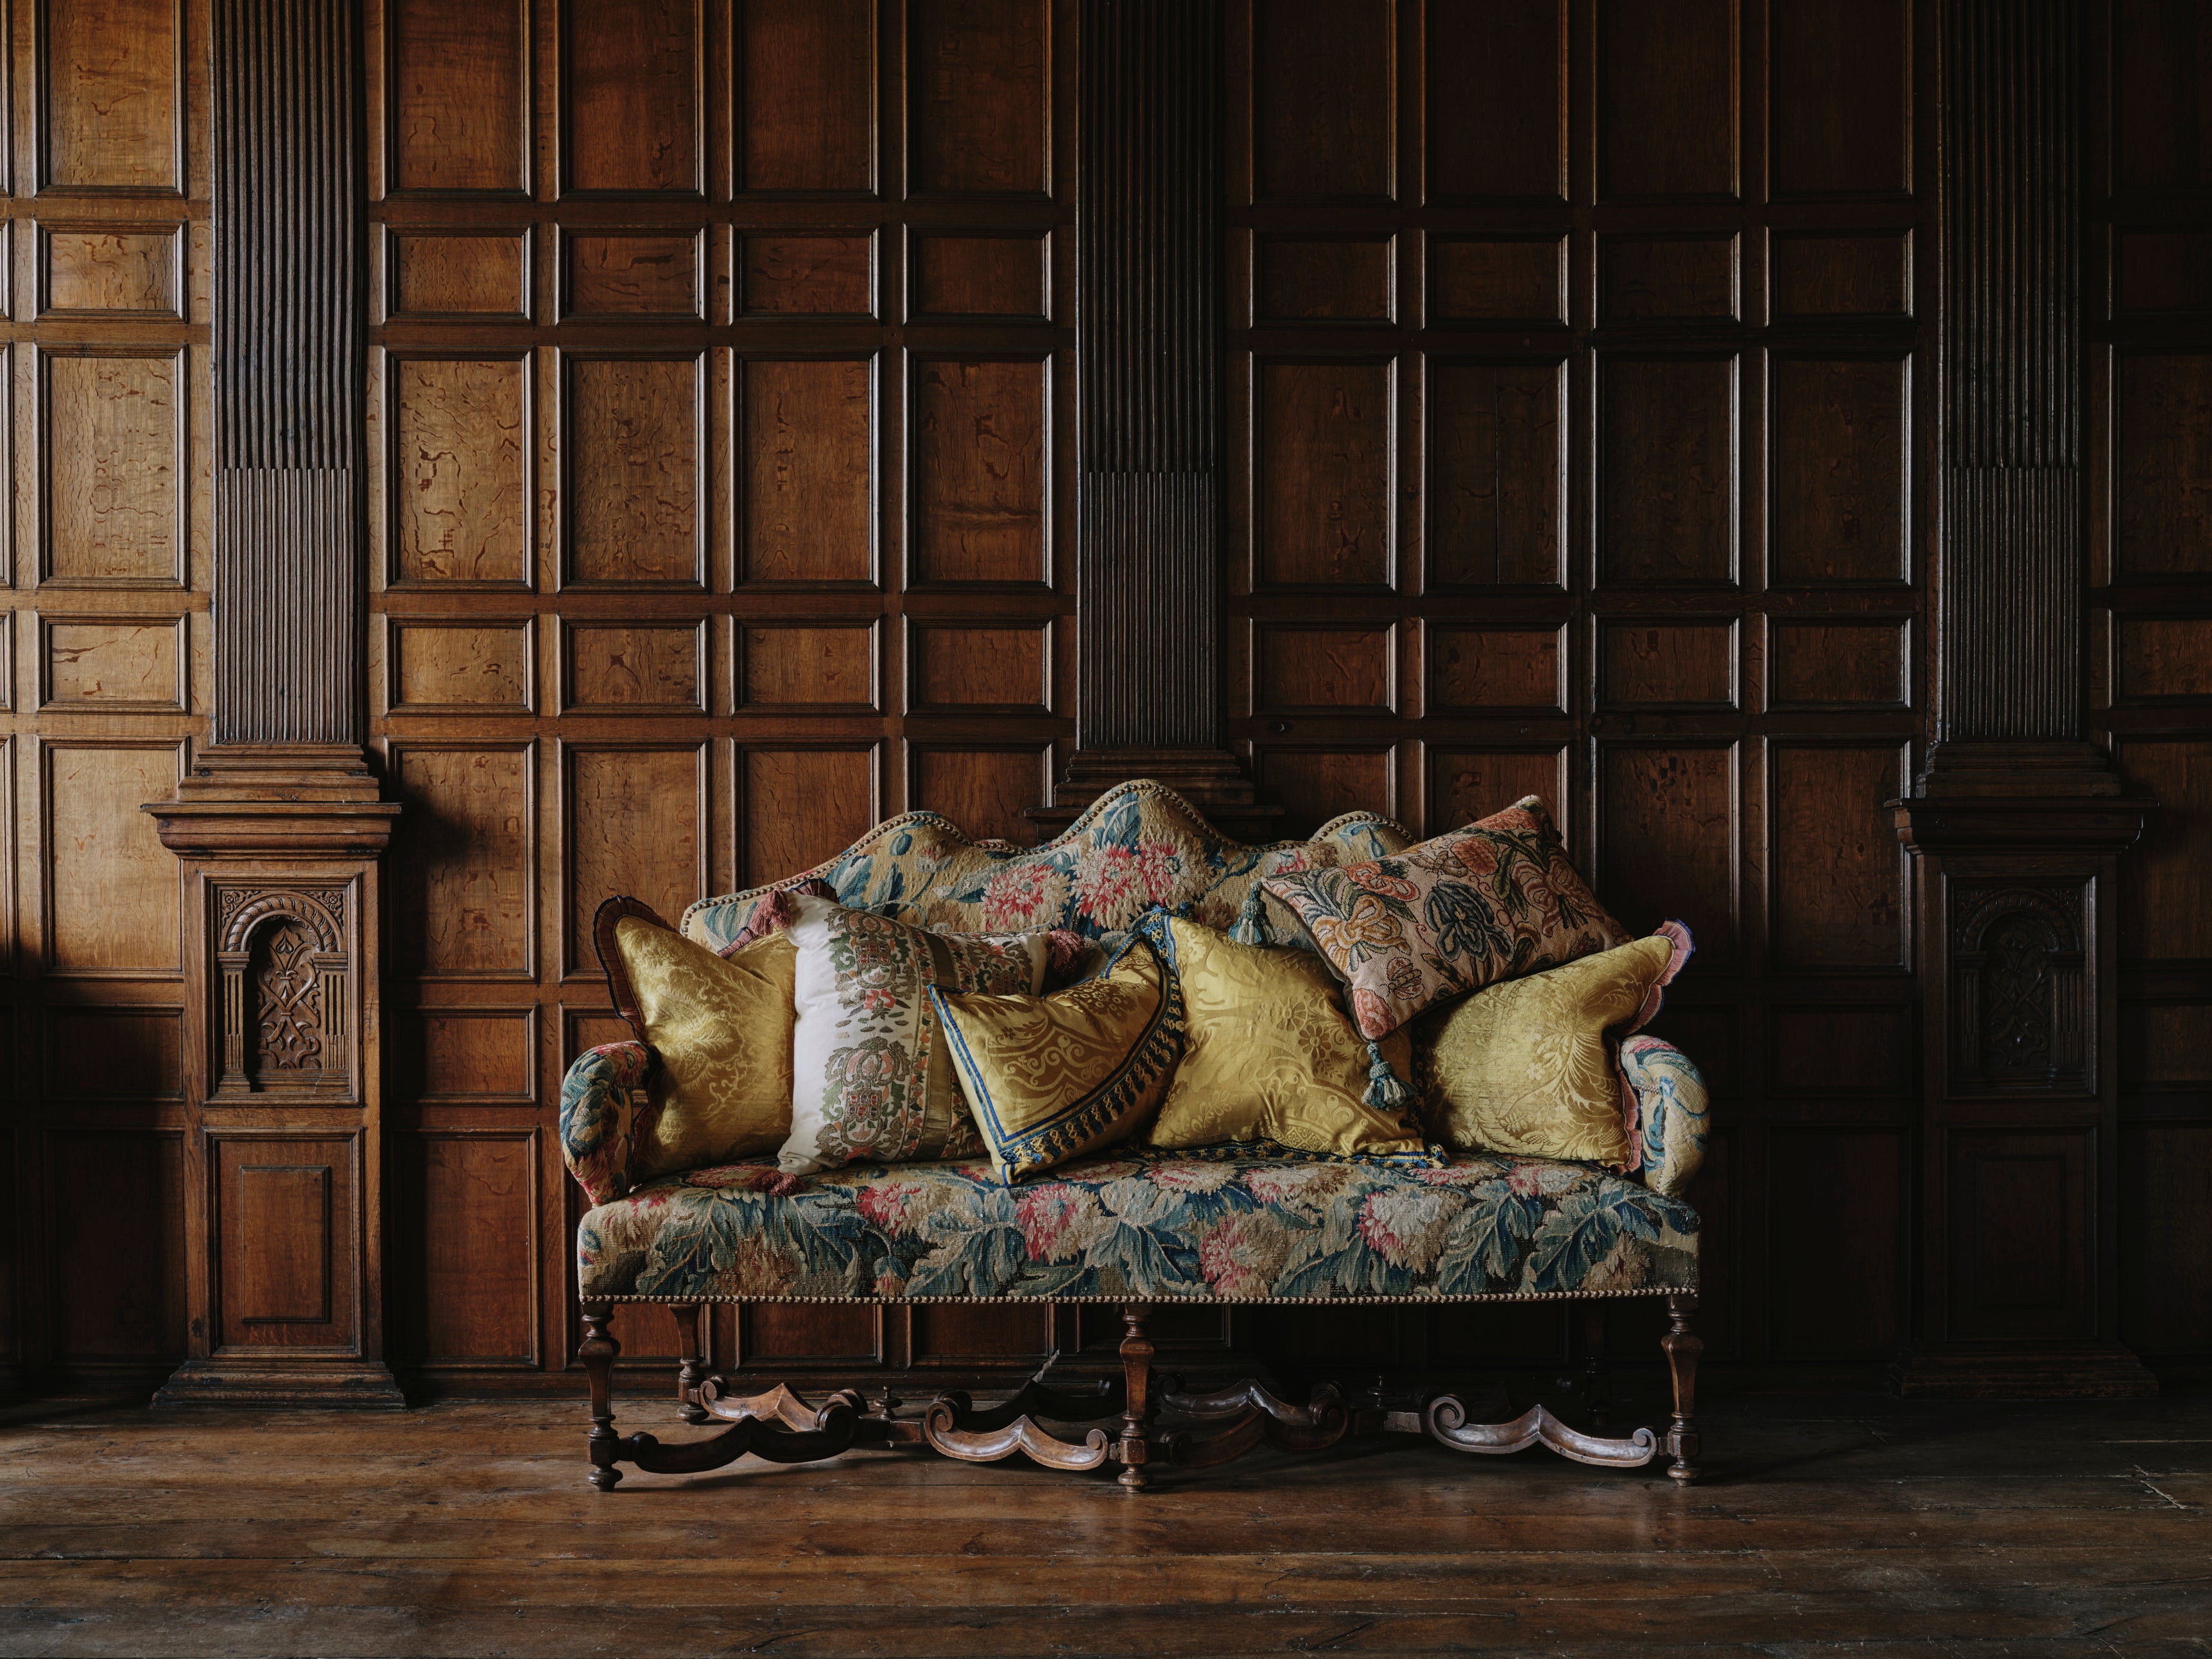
1143	1227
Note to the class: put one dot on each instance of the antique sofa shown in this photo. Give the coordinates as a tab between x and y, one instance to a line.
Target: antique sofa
1135	1229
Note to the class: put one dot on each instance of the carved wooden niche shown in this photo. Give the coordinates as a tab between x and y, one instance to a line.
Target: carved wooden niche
286	962
2021	998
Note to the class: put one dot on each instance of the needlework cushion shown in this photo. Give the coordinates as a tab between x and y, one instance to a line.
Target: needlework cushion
721	1028
1270	1057
1493	901
871	1075
1528	1067
1051	1077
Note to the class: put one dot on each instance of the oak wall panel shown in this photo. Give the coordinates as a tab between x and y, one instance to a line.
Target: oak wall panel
1674	278
797	667
1839	878
1464	785
2162	465
979	96
113	666
1346	279
807	274
798	806
1862	1053
1323	508
110	87
108	887
980	459
2166	1237
1471	670
485	666
806	88
1838	662
1666	842
464	899
2165	881
1843	98
437	273
1505	279
117	1242
457	98
969	274
459	471
1818	275
1667	98
1497	496
1836	1248
633	820
2162	273
973	667
116	1053
1315	785
1497	101
1667	469
125	272
1686	663
112	462
634	668
808	439
1839	470
983	790
1343	670
632	85
1323	74
466	1277
2157	658
283	1206
469	1056
657	275
635	512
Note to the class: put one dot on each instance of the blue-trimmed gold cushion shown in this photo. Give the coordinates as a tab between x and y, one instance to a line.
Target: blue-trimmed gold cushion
1051	1077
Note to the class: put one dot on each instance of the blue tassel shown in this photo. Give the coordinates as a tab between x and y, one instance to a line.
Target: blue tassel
1249	928
1386	1089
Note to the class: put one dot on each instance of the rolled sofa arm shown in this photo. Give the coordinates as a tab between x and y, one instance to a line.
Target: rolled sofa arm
598	1115
1671	1100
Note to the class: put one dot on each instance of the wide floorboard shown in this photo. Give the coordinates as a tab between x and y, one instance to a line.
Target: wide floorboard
1827	1526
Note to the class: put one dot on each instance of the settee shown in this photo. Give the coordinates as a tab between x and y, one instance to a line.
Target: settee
1134	1228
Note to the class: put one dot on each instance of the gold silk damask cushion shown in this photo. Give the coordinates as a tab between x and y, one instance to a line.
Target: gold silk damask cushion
1269	1055
1531	1067
872	1077
1493	901
721	1028
1051	1077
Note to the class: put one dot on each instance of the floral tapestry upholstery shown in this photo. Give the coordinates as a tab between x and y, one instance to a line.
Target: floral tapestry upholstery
1139	845
1142	1227
1671	1110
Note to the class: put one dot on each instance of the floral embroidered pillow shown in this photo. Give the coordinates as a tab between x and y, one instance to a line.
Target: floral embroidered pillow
1493	901
872	1076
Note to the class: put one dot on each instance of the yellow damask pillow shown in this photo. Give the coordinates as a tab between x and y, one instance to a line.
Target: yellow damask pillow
722	1029
1528	1067
1271	1056
1051	1077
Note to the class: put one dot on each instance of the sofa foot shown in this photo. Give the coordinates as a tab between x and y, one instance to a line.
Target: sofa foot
1137	1406
1682	1348
599	1351
691	1363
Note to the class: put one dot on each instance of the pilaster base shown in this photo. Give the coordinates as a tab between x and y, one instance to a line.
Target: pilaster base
1209	779
2094	1371
349	1385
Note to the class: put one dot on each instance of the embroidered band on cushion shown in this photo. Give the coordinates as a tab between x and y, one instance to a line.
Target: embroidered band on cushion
1051	1077
1493	901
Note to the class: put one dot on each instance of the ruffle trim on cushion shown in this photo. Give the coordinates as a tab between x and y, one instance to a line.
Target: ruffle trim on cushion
1632	1105
776	912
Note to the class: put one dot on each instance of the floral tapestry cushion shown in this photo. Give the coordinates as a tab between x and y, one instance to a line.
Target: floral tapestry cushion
719	1028
1142	1227
1529	1066
1269	1055
1051	1077
1493	901
871	1074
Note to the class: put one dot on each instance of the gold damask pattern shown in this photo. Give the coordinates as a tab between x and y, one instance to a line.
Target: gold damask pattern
722	1029
1493	901
1529	1067
1051	1077
1271	1057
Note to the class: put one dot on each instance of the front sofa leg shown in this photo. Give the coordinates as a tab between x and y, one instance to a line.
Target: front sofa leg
691	1363
1682	1348
1135	1451
598	1352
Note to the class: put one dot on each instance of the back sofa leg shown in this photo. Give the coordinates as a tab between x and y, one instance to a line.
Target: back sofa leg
691	1363
1682	1348
1137	1400
599	1351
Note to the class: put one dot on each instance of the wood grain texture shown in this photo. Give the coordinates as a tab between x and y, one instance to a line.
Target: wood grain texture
120	666
978	472
631	81
799	806
110	78
979	275
1820	274
1474	669
655	274
1497	465
98	848
2165	884
1679	278
809	475
1667	98
1838	884
1351	671
445	276
1322	73
1839	470
1666	485
1345	279
1861	1052
1666	842
1465	785
1843	91
1498	279
813	668
463	904
636	484
113	1054
632	821
2161	658
460	471
112	448
457	97
283	1207
984	791
2162	464
973	667
134	272
1674	665
788	274
1497	92
636	668
807	95
1838	662
468	1274
117	1198
485	667
1315	785
472	1055
978	97
1322	478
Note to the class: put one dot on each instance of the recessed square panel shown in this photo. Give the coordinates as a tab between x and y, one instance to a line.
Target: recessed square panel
632	83
969	274
2162	465
1667	459
806	95
1322	507
483	666
634	667
797	273
632	429
1339	670
129	272
656	276
111	430
1467	784
983	788
978	92
1322	279
979	666
1841	471
1682	278
1666	663
465	860
1819	275
826	666
979	471
1838	662
457	98
459	471
113	664
1489	670
1497	466
435	275
806	474
1498	280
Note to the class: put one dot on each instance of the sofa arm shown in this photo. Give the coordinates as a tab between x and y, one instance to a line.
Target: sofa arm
1671	1110
598	1115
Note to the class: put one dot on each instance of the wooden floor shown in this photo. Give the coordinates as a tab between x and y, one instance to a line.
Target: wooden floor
1834	1525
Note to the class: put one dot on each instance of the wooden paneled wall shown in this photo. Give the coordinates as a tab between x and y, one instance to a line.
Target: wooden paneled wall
721	459
2148	199
104	682
1580	389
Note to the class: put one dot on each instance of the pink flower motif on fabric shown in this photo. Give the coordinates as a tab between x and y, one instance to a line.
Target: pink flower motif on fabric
890	1204
1044	1215
1013	897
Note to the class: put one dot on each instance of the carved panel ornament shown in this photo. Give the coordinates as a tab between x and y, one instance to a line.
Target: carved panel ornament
2019	988
285	961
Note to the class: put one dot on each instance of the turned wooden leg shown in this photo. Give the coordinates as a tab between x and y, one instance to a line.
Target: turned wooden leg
1137	1400
599	1353
1682	1348
691	1367
1597	1377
